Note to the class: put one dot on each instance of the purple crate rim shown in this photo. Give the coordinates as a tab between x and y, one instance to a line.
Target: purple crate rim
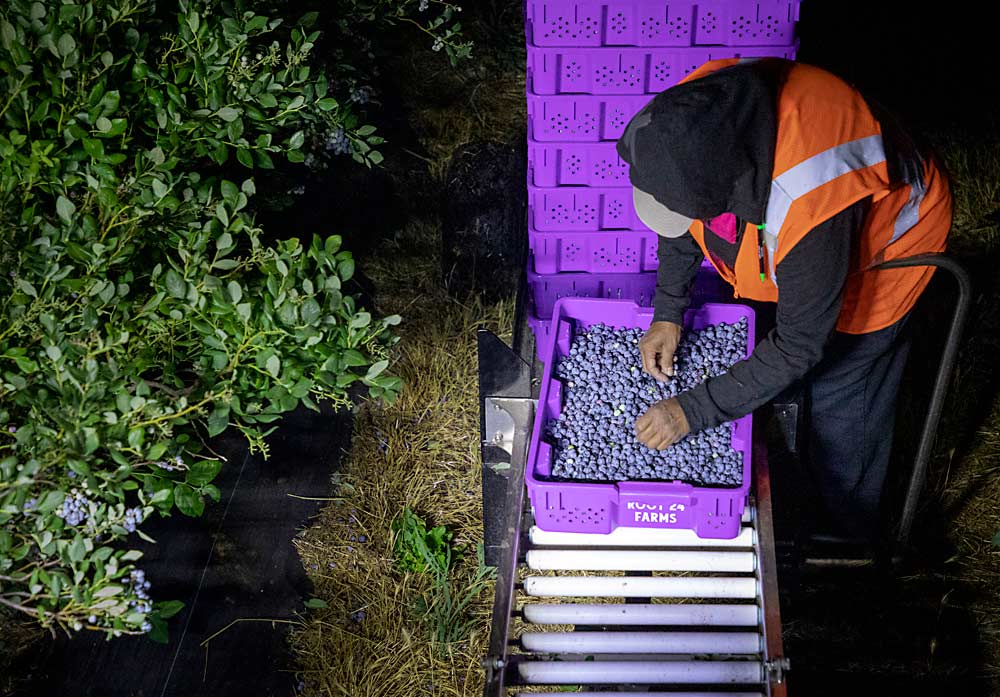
712	512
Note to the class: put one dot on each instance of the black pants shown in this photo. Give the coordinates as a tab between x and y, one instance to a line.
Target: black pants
850	402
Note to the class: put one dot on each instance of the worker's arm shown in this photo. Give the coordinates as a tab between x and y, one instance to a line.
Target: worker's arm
811	282
680	258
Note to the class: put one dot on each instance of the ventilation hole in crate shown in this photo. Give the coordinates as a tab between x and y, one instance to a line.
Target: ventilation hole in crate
618	119
678	28
615	210
742	27
588	214
605	171
573	164
661	72
650	28
708	22
633	75
559	27
558	213
589	26
573	71
769	26
690	69
618	23
601	257
571	251
629	257
587	123
604	76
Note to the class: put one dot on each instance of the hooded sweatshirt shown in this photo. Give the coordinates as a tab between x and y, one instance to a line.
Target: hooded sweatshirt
705	149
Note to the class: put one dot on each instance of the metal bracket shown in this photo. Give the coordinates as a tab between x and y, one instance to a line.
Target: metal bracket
500	426
776	669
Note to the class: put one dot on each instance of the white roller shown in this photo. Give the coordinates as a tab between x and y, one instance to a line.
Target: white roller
640	587
659	614
637	537
640	560
746	515
642	642
640	672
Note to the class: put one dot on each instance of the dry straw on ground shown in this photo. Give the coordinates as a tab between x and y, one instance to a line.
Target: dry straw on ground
421	452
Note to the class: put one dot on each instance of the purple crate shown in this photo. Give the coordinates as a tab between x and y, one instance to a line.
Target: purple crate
712	512
576	164
581	119
659	23
582	208
541	329
546	289
626	70
594	252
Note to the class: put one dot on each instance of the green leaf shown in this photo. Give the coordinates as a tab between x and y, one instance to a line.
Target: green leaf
193	21
297	139
222	214
187	501
228	113
66	45
229	190
26	288
169	608
366	130
267	100
235	291
264	160
273	366
158	632
345	269
392	320
77	550
316	603
65	208
51	502
360	320
176	286
103	124
244	157
159	188
311	311
53	352
354	358
376	370
108	591
225	264
243	311
7	34
327	104
218	420
202	472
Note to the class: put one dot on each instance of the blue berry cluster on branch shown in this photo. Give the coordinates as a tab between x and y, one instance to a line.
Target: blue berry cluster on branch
605	390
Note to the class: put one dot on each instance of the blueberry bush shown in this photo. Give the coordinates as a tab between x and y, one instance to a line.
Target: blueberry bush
142	311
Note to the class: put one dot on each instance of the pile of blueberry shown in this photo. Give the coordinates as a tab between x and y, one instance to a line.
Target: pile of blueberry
605	390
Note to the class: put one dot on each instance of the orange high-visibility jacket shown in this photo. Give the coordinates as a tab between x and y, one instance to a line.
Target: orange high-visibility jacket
829	155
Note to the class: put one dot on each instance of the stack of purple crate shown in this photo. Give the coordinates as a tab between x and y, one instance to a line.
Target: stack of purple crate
591	66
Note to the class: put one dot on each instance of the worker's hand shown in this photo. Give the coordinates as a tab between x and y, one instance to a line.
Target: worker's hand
657	348
662	425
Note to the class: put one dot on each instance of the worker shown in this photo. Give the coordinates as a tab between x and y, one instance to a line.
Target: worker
793	185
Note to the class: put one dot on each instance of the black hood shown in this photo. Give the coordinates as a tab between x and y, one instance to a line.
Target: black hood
706	147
